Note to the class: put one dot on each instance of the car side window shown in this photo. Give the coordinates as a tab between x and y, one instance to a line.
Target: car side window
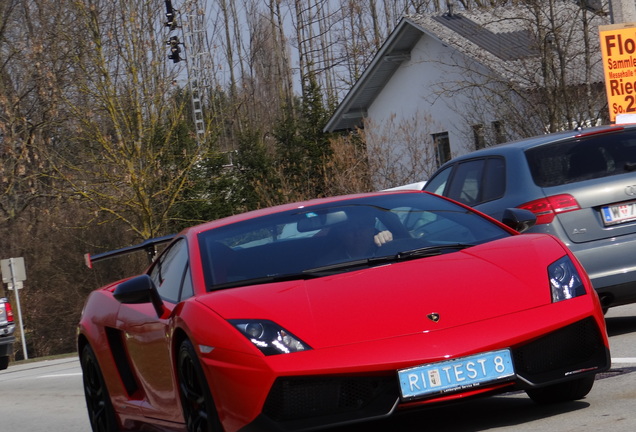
466	183
437	184
169	271
187	290
494	180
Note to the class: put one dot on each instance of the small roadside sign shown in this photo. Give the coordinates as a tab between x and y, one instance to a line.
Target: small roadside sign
13	270
618	48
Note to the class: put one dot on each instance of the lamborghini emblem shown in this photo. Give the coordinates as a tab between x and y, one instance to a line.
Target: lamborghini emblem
433	317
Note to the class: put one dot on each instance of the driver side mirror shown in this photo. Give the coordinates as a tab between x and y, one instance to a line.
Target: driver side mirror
519	219
140	289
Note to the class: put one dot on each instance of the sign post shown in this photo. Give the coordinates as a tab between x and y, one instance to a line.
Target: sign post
13	274
618	47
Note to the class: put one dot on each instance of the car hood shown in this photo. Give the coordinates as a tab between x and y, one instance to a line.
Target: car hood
422	295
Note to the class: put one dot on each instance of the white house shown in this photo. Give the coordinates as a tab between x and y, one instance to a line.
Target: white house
435	89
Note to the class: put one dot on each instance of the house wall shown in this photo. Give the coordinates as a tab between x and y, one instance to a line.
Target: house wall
413	106
623	11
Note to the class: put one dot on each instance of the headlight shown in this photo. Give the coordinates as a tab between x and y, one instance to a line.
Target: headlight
565	281
269	337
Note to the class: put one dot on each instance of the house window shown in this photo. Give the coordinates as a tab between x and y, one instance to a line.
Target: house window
498	130
442	147
478	136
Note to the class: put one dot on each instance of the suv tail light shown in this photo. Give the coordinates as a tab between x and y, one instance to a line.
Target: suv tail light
547	208
9	312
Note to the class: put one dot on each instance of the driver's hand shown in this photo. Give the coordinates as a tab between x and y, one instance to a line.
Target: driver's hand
382	237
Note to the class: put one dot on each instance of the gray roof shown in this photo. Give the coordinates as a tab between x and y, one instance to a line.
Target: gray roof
499	39
507	46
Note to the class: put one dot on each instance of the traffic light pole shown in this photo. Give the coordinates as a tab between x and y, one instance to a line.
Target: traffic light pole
197	57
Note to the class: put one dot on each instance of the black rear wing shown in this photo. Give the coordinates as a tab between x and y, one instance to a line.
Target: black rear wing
150	246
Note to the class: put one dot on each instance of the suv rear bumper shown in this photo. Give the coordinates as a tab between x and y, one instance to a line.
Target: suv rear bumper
608	262
617	295
6	346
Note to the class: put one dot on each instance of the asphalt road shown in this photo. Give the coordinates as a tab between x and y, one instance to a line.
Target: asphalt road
44	396
47	396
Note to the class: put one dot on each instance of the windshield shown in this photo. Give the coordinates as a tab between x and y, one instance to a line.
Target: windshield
309	241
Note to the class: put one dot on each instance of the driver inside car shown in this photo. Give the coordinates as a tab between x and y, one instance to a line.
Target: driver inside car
359	237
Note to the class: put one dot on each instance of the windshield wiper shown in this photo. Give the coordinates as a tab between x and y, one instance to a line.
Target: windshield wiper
305	274
263	280
348	265
431	251
400	256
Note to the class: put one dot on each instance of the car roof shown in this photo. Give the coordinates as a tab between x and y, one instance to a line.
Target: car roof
526	143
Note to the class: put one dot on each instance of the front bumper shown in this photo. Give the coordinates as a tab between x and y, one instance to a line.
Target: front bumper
314	402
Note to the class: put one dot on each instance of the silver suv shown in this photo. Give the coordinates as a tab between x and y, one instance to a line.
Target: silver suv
581	185
7	327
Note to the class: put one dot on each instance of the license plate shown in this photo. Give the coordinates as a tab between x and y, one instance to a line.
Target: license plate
619	213
456	375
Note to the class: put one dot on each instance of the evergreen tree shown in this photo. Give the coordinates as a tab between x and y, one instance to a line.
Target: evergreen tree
258	185
303	149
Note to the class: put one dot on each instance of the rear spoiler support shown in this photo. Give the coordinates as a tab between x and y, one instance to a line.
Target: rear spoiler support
150	246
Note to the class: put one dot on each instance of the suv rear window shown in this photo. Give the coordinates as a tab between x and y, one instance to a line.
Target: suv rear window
583	159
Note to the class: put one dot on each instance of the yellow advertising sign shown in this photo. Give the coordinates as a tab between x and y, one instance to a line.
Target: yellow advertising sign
618	46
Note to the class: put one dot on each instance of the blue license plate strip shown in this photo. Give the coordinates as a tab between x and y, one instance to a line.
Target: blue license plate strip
456	375
619	213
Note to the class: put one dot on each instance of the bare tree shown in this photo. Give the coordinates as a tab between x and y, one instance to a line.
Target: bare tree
280	51
130	154
400	152
349	166
32	79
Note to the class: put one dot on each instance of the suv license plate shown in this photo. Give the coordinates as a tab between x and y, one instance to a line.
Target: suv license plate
619	213
456	375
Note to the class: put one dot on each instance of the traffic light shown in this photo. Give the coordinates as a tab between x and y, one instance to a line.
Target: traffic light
171	22
174	49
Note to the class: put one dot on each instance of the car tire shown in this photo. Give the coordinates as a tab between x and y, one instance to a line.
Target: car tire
562	392
100	408
4	362
199	411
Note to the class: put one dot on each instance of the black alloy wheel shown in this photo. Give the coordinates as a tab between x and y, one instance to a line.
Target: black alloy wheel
199	411
100	409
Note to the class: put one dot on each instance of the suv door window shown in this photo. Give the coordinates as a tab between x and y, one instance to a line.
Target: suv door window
494	179
467	181
437	184
472	182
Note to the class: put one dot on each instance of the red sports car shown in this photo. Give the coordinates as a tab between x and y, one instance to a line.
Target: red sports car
338	310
